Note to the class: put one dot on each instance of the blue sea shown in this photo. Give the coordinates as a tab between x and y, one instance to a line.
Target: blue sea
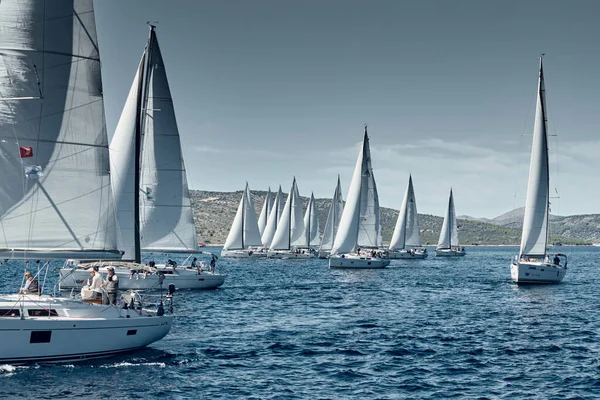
277	329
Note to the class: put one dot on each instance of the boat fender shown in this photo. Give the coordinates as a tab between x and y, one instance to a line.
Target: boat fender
250	253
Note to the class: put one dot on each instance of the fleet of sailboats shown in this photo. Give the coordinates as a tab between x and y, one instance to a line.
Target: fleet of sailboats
534	264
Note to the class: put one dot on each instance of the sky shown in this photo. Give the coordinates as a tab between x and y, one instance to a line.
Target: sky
266	90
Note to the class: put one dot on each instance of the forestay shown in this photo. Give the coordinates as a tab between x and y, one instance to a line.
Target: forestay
55	195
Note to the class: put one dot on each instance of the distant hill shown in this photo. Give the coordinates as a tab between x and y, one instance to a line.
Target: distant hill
214	212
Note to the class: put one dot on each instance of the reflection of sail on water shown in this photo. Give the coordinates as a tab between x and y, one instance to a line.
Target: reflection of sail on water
244	229
333	218
406	232
360	223
55	196
148	124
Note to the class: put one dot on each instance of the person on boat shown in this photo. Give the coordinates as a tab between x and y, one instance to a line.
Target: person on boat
151	264
556	259
112	287
194	264
213	263
31	284
171	263
95	283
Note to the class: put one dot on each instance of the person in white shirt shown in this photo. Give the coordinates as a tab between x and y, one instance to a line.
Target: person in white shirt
96	283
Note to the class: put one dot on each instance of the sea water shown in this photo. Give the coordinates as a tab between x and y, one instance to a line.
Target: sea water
279	329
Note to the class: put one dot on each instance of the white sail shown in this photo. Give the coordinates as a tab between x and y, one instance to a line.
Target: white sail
244	229
360	223
534	239
310	236
333	218
55	194
274	216
166	219
449	232
291	224
265	211
406	232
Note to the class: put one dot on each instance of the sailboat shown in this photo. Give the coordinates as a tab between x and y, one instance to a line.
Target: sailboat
264	212
55	190
358	238
289	236
244	231
150	188
534	264
311	236
406	240
273	221
333	221
448	245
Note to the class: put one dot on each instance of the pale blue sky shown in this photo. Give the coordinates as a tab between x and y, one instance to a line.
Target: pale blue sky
265	90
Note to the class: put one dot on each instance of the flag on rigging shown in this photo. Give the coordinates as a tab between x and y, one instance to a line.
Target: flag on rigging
26	152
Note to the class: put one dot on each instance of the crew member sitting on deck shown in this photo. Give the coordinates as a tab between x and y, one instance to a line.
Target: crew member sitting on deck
31	285
556	259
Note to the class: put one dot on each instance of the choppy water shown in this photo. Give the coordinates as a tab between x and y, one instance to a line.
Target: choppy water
437	328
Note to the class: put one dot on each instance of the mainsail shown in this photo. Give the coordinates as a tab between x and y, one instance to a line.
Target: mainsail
272	222
360	223
406	232
265	211
333	218
55	194
244	229
291	224
310	237
534	239
449	232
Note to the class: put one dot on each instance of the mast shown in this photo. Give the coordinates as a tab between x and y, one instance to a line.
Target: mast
244	214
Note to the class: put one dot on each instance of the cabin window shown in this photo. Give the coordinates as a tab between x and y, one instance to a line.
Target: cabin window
131	332
41	312
5	312
40	337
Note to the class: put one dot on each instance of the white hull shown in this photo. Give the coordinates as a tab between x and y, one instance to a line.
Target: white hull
323	253
449	253
405	255
352	261
182	278
243	254
80	330
531	272
288	255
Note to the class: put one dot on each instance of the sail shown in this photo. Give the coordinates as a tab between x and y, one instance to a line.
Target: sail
360	224
122	165
534	239
406	232
244	229
291	224
274	216
311	224
166	218
265	211
55	193
333	218
449	232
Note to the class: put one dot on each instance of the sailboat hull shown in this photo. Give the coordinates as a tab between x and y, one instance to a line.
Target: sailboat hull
74	331
323	254
289	255
352	261
531	272
243	254
449	253
182	278
405	255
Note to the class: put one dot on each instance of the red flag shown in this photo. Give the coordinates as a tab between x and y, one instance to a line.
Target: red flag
26	152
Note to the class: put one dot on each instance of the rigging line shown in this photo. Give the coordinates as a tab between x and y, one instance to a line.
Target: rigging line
87	32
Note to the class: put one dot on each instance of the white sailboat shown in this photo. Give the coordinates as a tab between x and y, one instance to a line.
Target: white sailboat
534	264
448	245
264	212
244	240
150	188
273	221
406	240
55	189
289	237
333	221
311	236
358	238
